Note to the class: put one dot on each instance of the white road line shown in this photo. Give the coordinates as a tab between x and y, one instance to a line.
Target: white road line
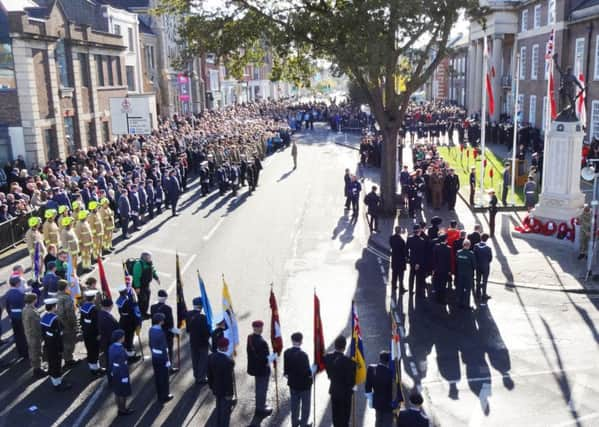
155	249
213	230
183	270
480	407
377	253
577	420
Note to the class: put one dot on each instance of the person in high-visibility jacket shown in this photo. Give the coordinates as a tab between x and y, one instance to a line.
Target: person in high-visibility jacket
108	221
33	236
76	205
97	227
63	212
86	239
50	228
69	239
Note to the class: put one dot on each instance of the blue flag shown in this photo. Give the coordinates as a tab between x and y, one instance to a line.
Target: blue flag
205	302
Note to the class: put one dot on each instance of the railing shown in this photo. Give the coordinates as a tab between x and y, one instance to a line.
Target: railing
13	232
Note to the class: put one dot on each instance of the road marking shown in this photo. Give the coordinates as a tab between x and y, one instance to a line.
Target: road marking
577	420
377	253
183	270
154	249
213	230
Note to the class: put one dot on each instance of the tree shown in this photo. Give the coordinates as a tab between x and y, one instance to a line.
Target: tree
373	42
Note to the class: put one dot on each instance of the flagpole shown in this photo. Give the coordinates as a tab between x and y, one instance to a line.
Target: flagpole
515	136
483	118
548	109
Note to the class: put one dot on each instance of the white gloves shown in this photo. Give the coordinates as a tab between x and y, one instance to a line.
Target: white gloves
369	398
355	388
272	357
176	331
314	368
125	380
168	364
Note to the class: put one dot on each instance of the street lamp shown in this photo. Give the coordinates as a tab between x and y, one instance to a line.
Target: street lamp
589	173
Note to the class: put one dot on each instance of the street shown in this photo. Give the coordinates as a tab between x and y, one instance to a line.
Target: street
528	359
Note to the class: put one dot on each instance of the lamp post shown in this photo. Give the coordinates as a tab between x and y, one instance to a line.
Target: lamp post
590	173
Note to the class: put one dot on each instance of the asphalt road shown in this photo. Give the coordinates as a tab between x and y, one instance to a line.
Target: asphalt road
528	359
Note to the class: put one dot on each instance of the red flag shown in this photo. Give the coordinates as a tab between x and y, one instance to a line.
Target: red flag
489	75
318	337
103	281
552	103
276	338
581	102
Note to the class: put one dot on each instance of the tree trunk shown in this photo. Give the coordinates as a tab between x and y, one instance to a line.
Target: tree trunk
390	156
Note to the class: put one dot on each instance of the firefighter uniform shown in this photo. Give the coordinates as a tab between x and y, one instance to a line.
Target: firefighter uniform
70	242
33	236
50	229
86	239
108	221
97	227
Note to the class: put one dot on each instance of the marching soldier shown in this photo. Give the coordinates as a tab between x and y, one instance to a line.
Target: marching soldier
90	331
107	324
65	310
33	236
168	325
33	334
199	340
416	250
15	301
50	229
127	321
341	371
259	359
97	227
160	359
118	377
465	266
484	256
70	242
221	379
86	239
52	333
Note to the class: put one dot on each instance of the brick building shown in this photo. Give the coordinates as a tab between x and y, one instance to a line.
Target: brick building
64	71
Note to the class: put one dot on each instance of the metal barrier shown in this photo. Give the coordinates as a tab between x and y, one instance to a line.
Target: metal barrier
13	232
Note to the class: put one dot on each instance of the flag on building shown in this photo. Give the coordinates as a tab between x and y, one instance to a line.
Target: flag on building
396	362
581	101
229	315
318	337
181	306
357	349
103	281
551	85
276	339
489	76
205	302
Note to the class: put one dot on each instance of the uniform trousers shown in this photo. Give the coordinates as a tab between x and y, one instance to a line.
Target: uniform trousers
419	277
261	388
223	411
482	275
397	274
19	333
93	348
464	288
300	407
383	418
54	363
440	280
68	342
341	411
161	379
173	202
199	362
129	335
144	298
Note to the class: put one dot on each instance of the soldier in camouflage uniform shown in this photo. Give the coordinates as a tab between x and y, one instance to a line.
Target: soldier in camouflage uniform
95	222
108	221
86	240
33	334
585	230
65	310
50	229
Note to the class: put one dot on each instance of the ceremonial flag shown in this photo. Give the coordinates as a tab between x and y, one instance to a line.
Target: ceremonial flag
357	350
37	261
581	109
133	297
229	315
69	272
128	277
551	84
181	306
103	281
318	337
205	302
395	363
276	338
488	78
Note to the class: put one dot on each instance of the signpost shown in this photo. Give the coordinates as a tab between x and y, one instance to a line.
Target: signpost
133	115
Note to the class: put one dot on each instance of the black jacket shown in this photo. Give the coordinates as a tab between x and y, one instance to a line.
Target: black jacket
169	322
441	258
220	374
379	379
296	367
106	325
341	370
398	251
412	418
197	328
257	350
416	248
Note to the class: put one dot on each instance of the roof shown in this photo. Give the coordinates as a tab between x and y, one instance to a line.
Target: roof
144	28
128	4
17	5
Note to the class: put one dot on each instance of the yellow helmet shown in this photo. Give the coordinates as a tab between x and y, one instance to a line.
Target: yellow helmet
104	201
93	205
50	213
82	215
62	209
76	205
66	221
34	221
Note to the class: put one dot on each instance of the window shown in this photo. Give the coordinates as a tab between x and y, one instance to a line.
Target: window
532	110
596	73
537	16
100	70
214	80
105	133
524	23
84	69
594	119
550	11
522	75
534	61
149	58
60	57
7	67
152	57
130	78
69	134
117	29
50	143
110	70
91	134
131	43
119	74
579	56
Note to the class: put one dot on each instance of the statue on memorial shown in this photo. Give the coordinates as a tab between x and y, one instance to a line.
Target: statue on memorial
568	93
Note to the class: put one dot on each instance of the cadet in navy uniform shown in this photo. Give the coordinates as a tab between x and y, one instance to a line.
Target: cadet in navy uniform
354	195
296	367
160	360
15	302
107	324
124	213
416	249
118	374
413	417
341	371
398	260
172	188
168	326
221	380
89	327
379	390
199	340
259	359
52	334
484	256
127	320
